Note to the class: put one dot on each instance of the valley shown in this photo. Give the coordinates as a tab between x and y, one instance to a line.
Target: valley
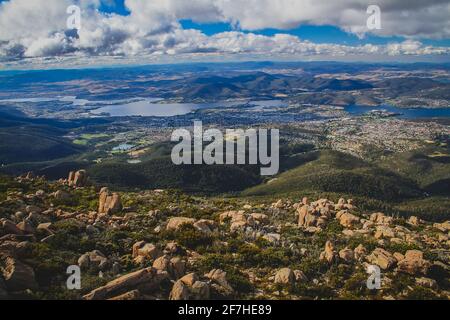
364	178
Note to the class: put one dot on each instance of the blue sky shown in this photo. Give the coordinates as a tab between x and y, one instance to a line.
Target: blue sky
314	33
36	32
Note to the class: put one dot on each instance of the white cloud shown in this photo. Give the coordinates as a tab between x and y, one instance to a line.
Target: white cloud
37	29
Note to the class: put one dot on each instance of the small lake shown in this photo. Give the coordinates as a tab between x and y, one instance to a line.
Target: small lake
410	113
123	147
153	108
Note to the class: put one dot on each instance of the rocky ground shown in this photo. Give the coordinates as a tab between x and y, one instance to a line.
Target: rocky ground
164	244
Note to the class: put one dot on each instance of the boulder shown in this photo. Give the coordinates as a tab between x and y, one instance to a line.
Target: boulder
200	291
94	259
172	248
398	256
427	283
147	250
162	263
260	218
18	276
189	279
175	223
45	227
9	227
382	258
61	195
347	219
277	205
285	276
205	226
360	252
444	227
144	280
178	267
26	227
239	220
220	283
414	263
179	291
384	232
109	203
381	218
77	179
329	255
307	216
414	221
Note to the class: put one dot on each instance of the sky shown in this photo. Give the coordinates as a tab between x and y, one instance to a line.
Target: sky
36	34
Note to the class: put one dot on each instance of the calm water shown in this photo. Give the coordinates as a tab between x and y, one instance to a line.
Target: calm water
123	147
152	108
404	113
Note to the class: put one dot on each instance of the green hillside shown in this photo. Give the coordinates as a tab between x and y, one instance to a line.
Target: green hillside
336	172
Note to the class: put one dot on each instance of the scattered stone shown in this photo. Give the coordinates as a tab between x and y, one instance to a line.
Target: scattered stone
277	205
307	216
172	248
219	277
384	232
427	283
346	255
444	227
414	263
94	259
175	223
382	258
300	276
205	226
62	195
347	219
414	221
146	250
381	218
9	227
45	227
285	276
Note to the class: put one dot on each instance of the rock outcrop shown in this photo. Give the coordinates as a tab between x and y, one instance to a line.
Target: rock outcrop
78	178
109	203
